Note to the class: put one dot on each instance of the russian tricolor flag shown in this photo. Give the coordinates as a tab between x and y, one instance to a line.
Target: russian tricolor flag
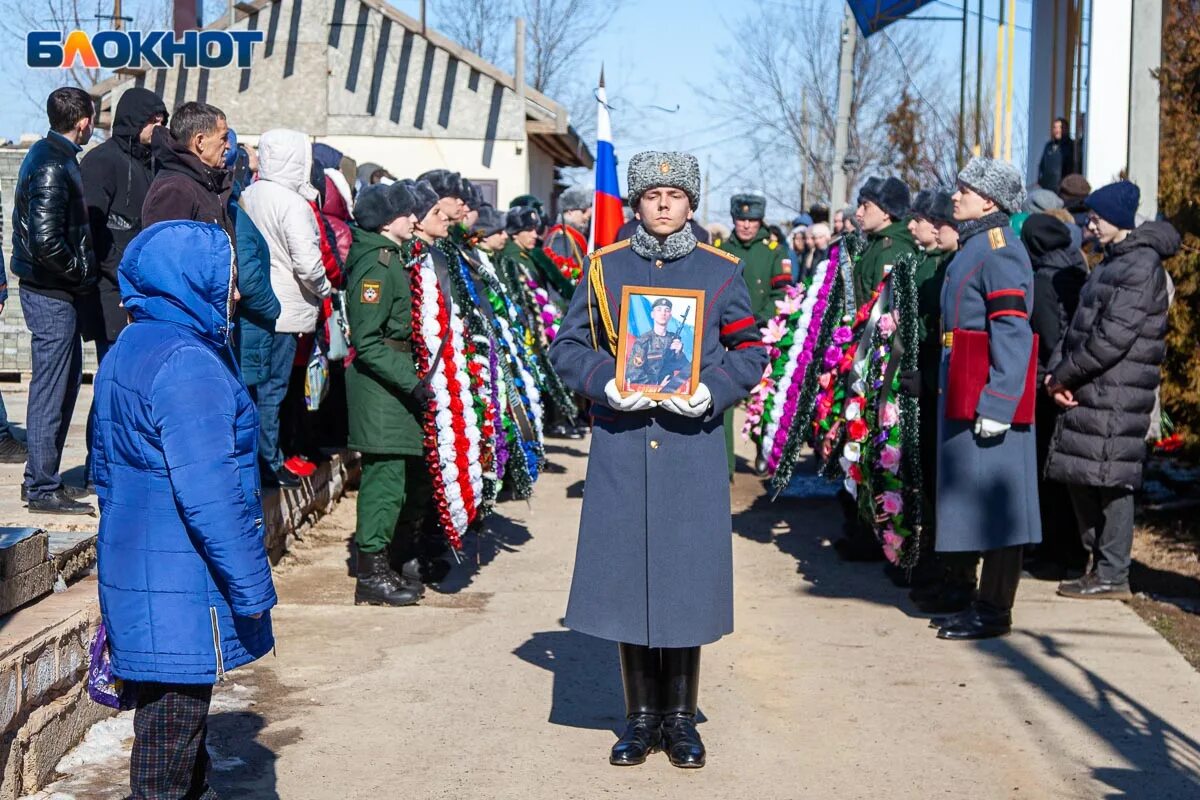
607	216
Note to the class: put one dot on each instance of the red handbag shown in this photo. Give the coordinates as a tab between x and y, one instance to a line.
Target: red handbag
970	362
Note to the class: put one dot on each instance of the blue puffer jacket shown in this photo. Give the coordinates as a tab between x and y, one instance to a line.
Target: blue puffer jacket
259	308
183	567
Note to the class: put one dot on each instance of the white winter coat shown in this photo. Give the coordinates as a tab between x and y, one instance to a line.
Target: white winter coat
278	204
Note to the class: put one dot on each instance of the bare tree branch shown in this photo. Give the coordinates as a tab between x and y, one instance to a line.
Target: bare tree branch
792	78
482	26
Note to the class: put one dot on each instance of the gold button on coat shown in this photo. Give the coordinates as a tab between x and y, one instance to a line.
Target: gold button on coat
653	444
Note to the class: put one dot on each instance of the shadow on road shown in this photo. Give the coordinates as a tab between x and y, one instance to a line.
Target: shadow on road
243	767
498	535
587	678
1165	760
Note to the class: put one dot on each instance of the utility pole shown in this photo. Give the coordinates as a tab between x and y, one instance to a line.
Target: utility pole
962	94
841	138
978	76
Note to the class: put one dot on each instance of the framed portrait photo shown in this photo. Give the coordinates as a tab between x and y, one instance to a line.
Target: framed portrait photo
659	341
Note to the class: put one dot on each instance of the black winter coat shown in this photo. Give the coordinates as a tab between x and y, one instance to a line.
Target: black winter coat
1058	278
116	178
1058	161
1110	359
51	243
186	188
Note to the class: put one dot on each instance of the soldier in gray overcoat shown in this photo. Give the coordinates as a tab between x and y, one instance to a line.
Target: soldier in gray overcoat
987	469
654	565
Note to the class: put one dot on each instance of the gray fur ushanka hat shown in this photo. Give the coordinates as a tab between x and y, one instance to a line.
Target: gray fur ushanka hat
652	168
999	181
748	206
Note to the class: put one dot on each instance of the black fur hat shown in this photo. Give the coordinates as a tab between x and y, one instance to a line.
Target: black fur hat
941	207
522	218
376	206
490	221
425	197
894	198
870	190
445	183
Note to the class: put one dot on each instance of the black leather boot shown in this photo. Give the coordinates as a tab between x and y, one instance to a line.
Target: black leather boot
983	621
639	675
378	585
681	685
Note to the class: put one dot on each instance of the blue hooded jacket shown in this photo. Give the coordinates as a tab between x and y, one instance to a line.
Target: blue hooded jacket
183	567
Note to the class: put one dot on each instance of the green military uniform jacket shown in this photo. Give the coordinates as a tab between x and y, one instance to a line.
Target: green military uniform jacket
652	362
883	247
764	268
930	275
384	414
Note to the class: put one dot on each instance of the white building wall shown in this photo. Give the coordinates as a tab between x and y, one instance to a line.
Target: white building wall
1108	91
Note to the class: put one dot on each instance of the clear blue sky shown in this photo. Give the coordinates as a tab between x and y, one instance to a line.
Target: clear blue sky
655	54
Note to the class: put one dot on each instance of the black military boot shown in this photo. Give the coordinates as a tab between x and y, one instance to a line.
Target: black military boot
681	685
378	585
639	675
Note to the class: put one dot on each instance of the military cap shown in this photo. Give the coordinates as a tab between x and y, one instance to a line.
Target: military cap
490	221
893	198
652	168
378	205
662	301
748	206
577	197
425	198
445	183
997	180
870	190
522	218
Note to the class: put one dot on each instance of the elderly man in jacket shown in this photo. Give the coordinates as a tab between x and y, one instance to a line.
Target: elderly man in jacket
185	584
1106	371
192	182
987	455
654	570
53	256
278	204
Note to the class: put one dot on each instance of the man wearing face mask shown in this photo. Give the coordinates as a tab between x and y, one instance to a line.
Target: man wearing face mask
384	396
653	569
116	177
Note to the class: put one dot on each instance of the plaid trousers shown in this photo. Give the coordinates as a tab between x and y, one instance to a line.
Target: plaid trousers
170	760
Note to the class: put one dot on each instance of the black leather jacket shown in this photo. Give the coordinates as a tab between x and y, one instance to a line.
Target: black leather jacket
51	240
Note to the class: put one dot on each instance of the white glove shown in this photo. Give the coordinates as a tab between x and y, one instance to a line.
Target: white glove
694	406
987	428
634	402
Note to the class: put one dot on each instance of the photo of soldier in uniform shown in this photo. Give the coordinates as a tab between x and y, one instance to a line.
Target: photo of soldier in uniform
658	341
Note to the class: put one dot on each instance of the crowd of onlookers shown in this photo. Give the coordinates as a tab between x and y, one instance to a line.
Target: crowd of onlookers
285	206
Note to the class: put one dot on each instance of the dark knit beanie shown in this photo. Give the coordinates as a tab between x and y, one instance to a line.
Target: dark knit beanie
376	206
894	198
1042	233
425	197
444	182
1116	203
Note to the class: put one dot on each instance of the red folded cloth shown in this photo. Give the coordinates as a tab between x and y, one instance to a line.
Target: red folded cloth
970	362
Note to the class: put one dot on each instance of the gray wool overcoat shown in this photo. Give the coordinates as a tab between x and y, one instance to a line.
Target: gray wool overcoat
987	495
654	564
